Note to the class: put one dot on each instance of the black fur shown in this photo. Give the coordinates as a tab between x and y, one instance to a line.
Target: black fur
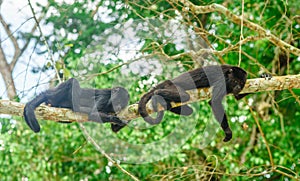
99	104
224	79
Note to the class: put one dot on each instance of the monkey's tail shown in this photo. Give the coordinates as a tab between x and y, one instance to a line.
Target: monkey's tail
143	110
29	114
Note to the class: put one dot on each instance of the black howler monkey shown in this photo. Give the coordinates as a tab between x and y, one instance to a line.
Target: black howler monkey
224	79
97	103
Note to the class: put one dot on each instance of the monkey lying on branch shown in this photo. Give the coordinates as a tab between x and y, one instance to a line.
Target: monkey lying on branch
224	79
99	104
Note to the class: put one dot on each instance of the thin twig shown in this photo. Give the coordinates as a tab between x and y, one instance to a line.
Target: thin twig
263	136
91	140
250	145
237	19
44	40
242	34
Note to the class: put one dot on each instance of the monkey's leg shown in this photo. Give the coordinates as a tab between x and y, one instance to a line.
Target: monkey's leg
65	95
116	127
75	92
221	117
119	102
119	99
100	117
165	96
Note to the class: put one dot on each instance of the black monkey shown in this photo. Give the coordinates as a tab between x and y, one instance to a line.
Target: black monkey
224	79
97	103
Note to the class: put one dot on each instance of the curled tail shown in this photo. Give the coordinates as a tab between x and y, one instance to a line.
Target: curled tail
143	110
29	112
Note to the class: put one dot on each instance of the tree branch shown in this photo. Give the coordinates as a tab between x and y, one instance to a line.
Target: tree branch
60	114
44	39
27	41
12	38
238	19
7	75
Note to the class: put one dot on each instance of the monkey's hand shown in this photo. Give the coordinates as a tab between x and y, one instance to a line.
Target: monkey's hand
228	134
267	76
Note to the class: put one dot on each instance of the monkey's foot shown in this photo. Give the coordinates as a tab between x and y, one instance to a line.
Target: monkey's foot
116	127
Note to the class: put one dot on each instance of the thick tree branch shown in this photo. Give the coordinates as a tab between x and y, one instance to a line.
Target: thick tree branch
4	66
7	75
59	114
7	68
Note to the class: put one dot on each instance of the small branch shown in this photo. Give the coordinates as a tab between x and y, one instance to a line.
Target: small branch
242	34
262	134
27	41
95	143
250	145
66	115
12	38
201	52
6	73
238	20
44	39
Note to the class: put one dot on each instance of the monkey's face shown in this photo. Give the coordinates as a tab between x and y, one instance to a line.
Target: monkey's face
236	80
237	88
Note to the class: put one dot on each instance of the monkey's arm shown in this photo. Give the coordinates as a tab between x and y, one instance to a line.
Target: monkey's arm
221	117
218	94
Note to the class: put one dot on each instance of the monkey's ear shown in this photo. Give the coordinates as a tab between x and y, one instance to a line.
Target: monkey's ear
229	71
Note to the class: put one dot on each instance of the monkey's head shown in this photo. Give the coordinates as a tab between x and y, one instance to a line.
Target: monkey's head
235	80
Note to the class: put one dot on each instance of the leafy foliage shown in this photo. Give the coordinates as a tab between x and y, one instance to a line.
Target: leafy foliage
88	37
